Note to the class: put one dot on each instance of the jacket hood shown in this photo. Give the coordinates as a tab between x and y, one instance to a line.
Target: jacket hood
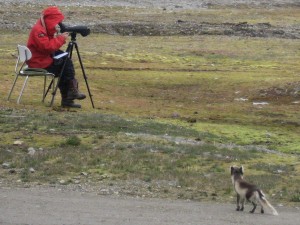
52	16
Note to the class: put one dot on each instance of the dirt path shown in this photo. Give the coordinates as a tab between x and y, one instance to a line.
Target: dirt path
54	207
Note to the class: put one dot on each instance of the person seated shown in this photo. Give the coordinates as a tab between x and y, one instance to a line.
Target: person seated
45	42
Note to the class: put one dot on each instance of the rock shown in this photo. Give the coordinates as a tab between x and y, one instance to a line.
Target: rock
241	99
260	103
31	170
104	192
31	151
104	176
83	173
18	142
5	165
62	182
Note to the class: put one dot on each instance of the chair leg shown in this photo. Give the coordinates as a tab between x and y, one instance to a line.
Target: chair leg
44	92
12	88
21	93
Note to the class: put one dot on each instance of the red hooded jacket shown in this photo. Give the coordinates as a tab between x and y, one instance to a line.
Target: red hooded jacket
42	41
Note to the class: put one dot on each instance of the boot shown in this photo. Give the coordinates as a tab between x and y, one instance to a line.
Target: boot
67	102
73	92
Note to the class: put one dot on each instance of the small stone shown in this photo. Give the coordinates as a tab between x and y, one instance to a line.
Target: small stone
31	151
102	177
62	182
18	142
241	99
5	165
260	103
31	170
83	173
104	192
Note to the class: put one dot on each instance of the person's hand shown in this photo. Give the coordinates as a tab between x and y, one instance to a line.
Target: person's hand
65	34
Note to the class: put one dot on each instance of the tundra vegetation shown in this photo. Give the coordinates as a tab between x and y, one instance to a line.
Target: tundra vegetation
173	111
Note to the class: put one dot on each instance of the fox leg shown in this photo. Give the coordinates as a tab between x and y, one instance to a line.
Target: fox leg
243	203
262	210
238	201
254	207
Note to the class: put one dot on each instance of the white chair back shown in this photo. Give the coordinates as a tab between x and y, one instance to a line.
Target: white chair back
21	69
24	53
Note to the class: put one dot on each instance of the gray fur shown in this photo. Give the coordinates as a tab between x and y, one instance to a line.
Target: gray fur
246	191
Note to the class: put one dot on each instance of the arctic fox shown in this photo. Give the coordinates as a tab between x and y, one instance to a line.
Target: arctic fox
248	191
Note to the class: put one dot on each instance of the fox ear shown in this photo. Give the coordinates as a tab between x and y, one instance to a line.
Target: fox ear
231	169
242	170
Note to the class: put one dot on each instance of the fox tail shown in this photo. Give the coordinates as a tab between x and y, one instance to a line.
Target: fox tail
266	204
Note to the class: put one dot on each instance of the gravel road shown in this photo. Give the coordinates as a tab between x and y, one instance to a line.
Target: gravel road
51	206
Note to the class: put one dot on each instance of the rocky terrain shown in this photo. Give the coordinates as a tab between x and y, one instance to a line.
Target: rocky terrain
148	18
190	4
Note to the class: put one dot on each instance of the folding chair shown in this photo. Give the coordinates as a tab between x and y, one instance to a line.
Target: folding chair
21	69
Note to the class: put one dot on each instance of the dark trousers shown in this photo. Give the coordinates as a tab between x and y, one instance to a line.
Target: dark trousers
68	73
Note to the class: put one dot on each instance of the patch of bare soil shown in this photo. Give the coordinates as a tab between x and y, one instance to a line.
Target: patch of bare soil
289	90
181	27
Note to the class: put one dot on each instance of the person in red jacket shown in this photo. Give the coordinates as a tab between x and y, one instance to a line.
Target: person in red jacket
44	43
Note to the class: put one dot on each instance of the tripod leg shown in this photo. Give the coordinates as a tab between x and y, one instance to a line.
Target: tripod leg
54	93
55	87
45	93
84	75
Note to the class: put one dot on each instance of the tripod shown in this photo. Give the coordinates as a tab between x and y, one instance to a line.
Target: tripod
69	50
